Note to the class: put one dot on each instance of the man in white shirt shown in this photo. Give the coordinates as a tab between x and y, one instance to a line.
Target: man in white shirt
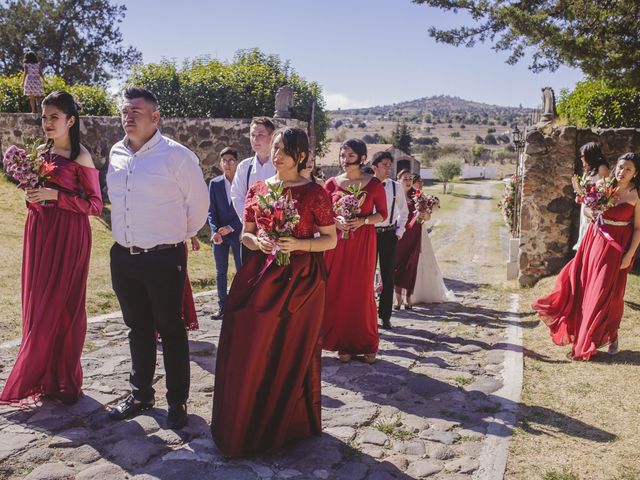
389	231
159	199
252	169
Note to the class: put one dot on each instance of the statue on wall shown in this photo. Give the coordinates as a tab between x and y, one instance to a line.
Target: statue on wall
284	101
548	105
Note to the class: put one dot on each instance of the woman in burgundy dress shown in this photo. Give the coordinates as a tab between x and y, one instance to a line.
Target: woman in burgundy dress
586	306
267	382
351	319
55	263
408	249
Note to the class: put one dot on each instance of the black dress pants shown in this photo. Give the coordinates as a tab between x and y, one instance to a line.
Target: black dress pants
386	246
149	287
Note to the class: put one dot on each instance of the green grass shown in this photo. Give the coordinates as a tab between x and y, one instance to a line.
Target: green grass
392	426
463	381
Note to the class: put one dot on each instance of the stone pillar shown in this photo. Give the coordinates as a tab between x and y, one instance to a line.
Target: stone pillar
547	202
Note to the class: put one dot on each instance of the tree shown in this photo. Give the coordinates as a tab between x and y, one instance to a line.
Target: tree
401	137
600	37
78	40
446	169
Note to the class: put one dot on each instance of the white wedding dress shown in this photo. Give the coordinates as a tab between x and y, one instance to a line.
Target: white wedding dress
430	287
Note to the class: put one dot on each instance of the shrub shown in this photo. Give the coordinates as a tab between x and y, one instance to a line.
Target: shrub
455	134
243	88
594	103
479	140
491	130
95	100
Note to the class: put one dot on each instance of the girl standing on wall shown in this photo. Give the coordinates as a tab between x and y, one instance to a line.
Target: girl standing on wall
32	80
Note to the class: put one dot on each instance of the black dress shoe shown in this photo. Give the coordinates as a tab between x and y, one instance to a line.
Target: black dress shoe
387	325
177	417
218	314
129	408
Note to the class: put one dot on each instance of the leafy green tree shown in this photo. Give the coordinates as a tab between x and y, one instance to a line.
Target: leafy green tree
401	137
446	169
597	104
78	40
243	88
600	37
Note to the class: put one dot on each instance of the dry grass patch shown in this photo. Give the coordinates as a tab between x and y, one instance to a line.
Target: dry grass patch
578	420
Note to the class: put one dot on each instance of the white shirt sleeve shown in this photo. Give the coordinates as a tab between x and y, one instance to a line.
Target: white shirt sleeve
239	188
403	211
196	194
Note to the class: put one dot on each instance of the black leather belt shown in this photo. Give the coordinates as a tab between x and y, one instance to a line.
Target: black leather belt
388	228
138	250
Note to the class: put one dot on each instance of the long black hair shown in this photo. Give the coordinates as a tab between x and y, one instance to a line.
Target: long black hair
635	158
30	57
593	156
67	104
358	147
295	143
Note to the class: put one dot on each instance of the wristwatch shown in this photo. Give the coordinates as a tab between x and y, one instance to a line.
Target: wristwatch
366	220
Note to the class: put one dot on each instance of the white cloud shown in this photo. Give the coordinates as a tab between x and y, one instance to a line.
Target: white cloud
341	100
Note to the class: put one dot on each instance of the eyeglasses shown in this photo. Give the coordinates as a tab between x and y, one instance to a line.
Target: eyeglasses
228	161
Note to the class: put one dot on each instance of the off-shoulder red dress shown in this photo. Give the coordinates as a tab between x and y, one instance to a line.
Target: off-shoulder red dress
55	265
586	305
267	382
351	319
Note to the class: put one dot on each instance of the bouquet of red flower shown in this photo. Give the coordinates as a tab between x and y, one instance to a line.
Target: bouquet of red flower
424	204
599	196
30	169
347	207
276	217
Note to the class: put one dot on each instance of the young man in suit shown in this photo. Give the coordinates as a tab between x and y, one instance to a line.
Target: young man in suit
225	224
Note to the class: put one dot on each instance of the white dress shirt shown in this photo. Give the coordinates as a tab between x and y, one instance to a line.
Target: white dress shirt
227	188
255	171
158	194
400	209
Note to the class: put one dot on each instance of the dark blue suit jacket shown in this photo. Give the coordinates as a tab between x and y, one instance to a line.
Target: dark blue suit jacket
221	212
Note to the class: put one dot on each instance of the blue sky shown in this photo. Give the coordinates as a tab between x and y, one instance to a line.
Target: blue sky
362	52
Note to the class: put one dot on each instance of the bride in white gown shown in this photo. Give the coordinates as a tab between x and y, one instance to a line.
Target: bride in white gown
430	287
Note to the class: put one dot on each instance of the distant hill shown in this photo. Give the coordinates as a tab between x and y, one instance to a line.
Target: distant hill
438	109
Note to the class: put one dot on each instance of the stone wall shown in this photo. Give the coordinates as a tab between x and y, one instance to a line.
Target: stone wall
549	214
206	137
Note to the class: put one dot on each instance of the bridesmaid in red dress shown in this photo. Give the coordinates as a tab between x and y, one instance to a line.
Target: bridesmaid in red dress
586	306
55	263
267	382
408	249
351	318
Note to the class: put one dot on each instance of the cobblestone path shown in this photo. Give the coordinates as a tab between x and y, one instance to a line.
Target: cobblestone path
422	411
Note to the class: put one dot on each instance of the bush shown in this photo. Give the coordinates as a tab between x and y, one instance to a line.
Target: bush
446	169
491	130
595	104
94	99
455	134
479	140
243	88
